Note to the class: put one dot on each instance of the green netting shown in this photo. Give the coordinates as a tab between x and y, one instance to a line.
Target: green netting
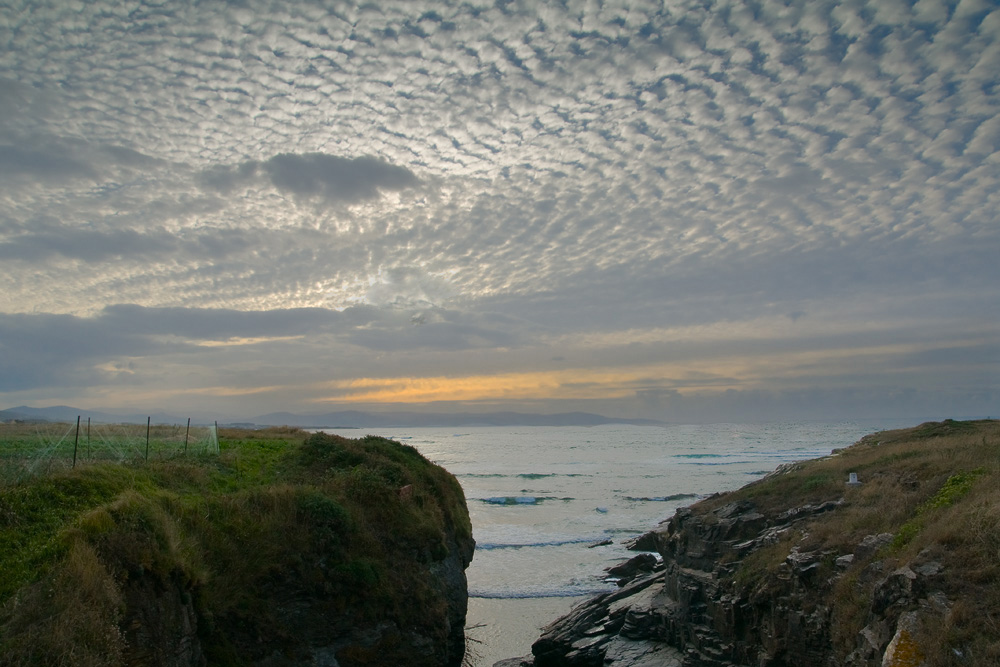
30	449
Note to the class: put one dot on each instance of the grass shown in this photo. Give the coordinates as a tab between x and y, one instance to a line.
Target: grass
936	488
279	522
37	449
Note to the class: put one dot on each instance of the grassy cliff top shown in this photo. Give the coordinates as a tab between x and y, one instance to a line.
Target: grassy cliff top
933	491
353	523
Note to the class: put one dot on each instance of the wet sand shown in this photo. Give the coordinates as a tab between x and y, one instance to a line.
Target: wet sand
508	627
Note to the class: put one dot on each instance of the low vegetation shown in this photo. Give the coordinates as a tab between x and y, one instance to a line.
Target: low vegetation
278	513
936	489
34	449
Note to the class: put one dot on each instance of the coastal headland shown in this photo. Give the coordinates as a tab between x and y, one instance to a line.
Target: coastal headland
283	548
885	553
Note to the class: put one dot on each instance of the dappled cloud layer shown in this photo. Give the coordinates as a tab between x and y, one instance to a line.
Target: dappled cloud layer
474	201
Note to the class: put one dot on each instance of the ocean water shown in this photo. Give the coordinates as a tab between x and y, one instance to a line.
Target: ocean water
540	498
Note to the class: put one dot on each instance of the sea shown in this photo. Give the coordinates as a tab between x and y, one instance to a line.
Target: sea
552	507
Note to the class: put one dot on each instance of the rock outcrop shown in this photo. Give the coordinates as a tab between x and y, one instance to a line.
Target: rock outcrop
693	612
761	578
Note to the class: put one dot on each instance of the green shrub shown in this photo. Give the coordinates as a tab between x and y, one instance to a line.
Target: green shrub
954	488
323	511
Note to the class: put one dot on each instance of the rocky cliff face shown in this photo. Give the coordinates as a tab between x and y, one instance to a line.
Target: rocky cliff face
694	612
448	577
760	578
306	628
164	626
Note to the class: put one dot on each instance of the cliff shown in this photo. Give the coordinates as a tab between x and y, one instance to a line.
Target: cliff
802	568
286	549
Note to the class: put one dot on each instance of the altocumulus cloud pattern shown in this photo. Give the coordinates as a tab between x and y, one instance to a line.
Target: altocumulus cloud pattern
689	188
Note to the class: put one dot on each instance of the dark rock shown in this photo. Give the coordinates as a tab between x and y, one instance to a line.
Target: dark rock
733	509
623	652
580	637
871	544
448	577
875	637
161	625
526	661
602	543
634	565
899	588
645	542
807	511
929	569
740	526
692	609
938	602
805	565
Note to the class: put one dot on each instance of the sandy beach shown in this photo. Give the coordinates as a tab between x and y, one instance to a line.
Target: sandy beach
506	627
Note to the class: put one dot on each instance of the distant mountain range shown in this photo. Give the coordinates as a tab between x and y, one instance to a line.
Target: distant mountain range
65	413
344	419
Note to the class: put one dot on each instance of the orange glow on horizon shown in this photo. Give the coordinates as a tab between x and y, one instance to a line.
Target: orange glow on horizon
565	384
580	384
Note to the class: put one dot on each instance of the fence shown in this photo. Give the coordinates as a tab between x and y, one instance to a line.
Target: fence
28	449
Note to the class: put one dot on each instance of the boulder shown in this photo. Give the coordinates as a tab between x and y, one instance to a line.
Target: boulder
644	542
641	563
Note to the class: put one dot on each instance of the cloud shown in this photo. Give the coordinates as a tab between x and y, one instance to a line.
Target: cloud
57	350
218	324
314	176
66	350
333	178
55	160
441	330
226	179
489	179
17	162
408	287
89	245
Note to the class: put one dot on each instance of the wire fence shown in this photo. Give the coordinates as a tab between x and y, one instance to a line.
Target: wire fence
29	449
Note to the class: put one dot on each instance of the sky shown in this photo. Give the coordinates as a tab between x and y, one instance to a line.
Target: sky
681	210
